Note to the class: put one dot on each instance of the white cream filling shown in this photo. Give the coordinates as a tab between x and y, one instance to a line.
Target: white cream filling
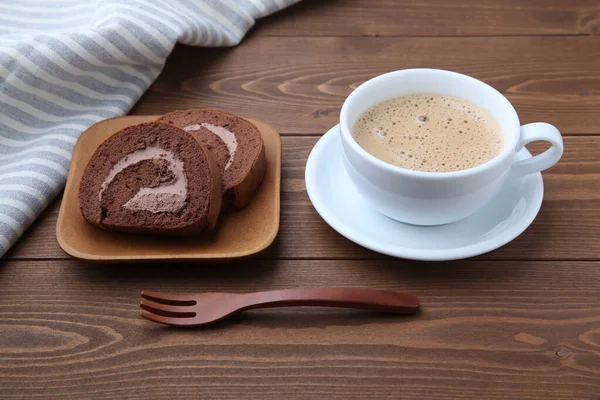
224	134
164	198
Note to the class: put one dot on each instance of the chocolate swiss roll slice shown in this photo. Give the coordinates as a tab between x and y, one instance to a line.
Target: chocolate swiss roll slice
237	146
151	178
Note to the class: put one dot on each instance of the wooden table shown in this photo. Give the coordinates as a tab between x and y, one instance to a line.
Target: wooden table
522	322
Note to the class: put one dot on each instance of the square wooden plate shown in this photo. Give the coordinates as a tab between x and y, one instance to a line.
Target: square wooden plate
239	234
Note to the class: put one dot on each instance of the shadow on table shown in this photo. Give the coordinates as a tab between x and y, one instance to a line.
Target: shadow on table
300	318
199	275
173	274
470	270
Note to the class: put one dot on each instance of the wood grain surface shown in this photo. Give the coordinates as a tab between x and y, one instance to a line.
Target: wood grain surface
521	322
435	18
302	86
492	330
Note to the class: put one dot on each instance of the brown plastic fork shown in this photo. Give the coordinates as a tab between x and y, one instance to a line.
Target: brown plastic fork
195	309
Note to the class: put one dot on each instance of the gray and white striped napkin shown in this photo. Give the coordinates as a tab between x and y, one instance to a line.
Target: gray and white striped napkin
67	64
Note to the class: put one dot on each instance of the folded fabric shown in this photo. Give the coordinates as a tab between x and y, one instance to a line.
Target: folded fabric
67	64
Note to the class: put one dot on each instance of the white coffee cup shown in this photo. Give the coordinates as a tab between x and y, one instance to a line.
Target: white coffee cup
434	198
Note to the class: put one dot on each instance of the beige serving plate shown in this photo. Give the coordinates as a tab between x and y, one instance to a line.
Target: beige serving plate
237	235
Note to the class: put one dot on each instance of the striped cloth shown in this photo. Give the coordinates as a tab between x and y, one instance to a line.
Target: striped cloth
67	64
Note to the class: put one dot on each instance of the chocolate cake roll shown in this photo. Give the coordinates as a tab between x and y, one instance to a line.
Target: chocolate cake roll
235	143
152	178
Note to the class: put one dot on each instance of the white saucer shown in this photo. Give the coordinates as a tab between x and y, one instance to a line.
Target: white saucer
343	208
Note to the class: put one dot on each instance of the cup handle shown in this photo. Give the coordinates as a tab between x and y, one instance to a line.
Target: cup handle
531	133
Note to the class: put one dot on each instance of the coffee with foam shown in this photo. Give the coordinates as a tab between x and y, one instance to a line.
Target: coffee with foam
429	132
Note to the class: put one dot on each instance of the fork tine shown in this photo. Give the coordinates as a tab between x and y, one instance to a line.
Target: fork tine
167	320
174	299
167	310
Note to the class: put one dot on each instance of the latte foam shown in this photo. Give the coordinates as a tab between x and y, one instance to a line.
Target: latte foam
429	132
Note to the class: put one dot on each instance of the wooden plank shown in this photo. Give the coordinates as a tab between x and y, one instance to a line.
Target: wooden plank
434	18
567	228
494	330
299	84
